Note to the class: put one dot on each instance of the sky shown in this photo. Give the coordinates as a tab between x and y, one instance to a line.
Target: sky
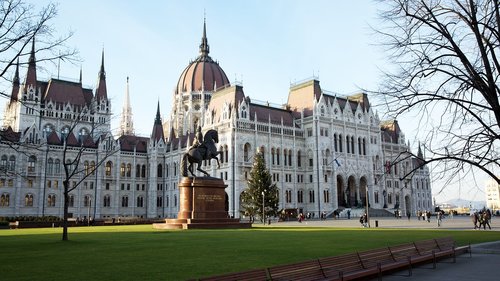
264	45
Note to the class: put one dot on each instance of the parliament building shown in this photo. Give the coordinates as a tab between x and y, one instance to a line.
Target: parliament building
325	151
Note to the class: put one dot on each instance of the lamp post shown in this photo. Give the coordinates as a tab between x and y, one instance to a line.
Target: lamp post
90	205
263	208
367	207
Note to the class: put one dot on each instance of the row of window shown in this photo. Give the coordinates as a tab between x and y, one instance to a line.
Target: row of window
311	198
87	201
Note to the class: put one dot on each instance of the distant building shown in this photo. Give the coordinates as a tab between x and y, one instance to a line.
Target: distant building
492	195
324	151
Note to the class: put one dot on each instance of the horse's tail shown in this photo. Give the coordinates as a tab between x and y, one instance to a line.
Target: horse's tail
184	165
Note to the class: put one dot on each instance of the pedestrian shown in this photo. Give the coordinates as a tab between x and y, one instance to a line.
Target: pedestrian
408	214
348	214
439	217
474	217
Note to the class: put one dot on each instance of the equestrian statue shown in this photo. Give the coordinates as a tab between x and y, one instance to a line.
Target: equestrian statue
199	151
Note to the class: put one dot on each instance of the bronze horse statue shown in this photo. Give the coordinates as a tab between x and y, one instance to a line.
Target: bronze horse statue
196	154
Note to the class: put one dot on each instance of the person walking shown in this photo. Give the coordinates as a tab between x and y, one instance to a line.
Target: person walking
439	217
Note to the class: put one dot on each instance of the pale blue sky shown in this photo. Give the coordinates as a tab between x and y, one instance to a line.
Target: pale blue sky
264	44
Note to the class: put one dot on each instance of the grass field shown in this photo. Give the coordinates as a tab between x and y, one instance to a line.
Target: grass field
142	253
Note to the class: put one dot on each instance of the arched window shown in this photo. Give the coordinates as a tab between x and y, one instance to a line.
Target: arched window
299	162
272	156
300	196
360	149
159	201
364	146
348	146
129	170
352	145
137	171
92	167
31	164
108	167
160	171
122	170
71	200
311	196
335	140
87	201
246	150
326	196
288	196
107	200
5	200
3	163
51	200
340	142
12	163
50	166
86	167
124	201
140	201
143	171
28	200
285	154
277	156
57	166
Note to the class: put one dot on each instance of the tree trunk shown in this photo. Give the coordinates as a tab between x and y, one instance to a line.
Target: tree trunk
65	213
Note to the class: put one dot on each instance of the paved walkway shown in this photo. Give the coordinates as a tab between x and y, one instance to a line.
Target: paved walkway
483	265
457	222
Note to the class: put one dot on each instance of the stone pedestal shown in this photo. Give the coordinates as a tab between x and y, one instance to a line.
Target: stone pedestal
201	205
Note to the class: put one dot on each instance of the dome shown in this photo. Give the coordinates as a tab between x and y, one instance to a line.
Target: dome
203	73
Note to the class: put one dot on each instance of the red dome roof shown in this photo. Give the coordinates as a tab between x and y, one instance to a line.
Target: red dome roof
203	73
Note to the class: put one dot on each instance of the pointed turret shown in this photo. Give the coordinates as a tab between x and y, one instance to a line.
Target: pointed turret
101	91
204	49
419	153
15	85
157	133
126	124
31	75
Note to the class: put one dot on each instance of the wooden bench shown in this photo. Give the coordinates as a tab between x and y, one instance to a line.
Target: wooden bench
384	261
249	275
346	267
409	252
446	243
302	271
430	247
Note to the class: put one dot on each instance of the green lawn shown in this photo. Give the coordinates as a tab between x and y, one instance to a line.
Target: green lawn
142	253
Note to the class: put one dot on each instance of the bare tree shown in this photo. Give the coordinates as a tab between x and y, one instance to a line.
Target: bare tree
446	72
97	143
20	23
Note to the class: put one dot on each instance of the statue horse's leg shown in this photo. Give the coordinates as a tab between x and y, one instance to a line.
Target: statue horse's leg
201	170
190	169
216	158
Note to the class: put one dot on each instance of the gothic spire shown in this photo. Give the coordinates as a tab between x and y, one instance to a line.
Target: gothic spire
157	133
204	49
31	75
15	84
101	91
126	124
